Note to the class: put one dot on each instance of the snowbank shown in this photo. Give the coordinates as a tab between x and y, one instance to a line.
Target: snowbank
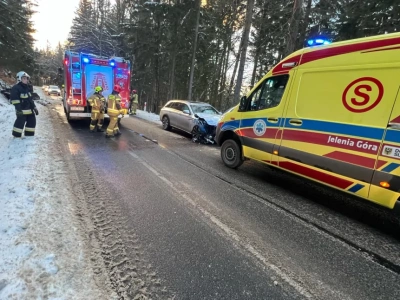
43	253
148	116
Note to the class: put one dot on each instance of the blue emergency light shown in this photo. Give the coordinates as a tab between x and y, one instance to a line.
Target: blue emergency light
318	41
112	63
85	60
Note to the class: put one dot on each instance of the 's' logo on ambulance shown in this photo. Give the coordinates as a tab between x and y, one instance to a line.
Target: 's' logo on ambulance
363	94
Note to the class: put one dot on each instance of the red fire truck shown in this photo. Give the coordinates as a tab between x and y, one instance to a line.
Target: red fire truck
83	72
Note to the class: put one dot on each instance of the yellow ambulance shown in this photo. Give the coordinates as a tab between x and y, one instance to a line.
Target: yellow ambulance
329	113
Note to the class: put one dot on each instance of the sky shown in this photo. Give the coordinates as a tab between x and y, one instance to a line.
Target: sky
53	21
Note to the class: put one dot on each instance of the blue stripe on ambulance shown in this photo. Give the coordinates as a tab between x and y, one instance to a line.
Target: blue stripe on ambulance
355	188
390	167
230	125
250	122
328	127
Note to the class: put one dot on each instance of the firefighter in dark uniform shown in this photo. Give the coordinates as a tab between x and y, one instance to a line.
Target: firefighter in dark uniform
25	108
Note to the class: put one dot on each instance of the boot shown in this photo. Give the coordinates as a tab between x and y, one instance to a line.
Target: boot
108	136
99	129
117	133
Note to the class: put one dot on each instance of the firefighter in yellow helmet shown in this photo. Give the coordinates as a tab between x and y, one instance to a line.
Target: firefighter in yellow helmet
114	110
97	103
134	103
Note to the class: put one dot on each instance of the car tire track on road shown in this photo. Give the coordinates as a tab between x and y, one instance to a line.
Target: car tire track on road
107	231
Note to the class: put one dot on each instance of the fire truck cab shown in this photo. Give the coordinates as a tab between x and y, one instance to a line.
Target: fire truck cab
83	72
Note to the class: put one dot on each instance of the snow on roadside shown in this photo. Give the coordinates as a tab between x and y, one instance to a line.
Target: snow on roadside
43	254
148	116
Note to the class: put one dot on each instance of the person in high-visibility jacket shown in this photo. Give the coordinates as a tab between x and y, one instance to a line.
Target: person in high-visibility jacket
134	103
114	110
97	103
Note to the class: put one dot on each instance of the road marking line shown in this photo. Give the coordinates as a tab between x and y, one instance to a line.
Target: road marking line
228	231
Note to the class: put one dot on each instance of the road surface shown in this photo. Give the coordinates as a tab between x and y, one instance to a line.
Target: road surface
172	222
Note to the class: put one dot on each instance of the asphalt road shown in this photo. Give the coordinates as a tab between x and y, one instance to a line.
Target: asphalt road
175	223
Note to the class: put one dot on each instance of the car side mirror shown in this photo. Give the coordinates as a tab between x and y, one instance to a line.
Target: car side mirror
186	112
242	104
196	115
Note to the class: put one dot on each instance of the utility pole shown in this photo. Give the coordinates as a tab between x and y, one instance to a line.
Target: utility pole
194	51
243	50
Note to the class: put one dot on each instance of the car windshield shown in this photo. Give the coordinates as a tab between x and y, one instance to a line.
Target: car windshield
204	109
53	87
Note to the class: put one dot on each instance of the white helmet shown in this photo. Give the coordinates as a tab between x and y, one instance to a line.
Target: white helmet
22	74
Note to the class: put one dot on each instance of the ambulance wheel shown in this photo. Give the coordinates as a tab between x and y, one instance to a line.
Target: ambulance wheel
231	154
165	123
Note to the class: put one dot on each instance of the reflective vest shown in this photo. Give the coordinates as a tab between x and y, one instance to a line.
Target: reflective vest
114	105
96	101
134	98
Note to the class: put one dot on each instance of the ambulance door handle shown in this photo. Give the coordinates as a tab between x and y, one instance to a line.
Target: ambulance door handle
296	122
273	120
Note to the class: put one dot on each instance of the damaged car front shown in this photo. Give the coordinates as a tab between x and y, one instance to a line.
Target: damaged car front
205	123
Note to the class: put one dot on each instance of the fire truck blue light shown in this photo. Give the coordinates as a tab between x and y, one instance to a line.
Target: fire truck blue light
85	60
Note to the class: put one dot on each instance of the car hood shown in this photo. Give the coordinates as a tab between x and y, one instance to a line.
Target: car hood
210	119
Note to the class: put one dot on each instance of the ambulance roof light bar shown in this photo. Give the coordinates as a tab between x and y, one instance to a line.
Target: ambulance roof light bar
318	41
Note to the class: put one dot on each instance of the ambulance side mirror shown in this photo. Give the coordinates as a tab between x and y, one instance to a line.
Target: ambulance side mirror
242	105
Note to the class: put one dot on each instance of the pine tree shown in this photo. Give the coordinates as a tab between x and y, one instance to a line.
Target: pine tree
16	28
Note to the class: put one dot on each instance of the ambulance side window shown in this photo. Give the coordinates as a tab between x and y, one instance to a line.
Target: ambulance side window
254	99
269	93
272	92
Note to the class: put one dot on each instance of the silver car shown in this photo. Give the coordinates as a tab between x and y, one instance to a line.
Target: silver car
183	114
54	90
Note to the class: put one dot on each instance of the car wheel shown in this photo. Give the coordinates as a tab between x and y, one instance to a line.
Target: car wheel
165	123
195	133
231	154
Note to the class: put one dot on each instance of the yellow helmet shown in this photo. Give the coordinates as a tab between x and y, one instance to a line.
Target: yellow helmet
98	89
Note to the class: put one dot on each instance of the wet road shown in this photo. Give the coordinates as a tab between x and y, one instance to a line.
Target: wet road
173	222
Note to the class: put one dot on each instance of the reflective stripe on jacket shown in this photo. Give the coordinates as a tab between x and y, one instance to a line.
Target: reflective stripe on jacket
96	101
114	105
134	98
21	98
